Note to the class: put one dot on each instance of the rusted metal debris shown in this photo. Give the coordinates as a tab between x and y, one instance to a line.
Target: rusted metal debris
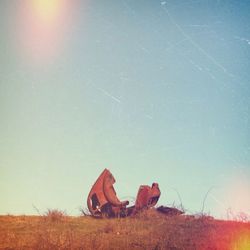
170	211
103	201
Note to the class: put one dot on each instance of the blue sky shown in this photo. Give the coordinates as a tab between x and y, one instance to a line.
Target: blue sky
155	91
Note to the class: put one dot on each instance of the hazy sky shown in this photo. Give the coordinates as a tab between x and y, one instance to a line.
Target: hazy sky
155	91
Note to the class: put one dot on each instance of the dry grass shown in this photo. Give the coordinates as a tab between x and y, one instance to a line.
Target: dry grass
148	230
55	215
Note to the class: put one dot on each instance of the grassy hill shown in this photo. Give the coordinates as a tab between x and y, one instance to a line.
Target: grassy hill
148	230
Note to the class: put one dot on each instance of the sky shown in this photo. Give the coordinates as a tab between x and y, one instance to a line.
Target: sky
155	91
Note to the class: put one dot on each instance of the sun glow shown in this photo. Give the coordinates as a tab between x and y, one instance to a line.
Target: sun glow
42	26
232	200
239	192
241	242
47	10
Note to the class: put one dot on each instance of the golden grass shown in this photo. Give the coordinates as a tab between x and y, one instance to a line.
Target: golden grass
148	230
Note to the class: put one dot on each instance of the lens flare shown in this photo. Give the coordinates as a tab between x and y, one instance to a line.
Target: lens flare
241	242
238	190
232	200
47	10
42	27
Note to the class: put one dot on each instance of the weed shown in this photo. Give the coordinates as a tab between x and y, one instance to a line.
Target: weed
55	215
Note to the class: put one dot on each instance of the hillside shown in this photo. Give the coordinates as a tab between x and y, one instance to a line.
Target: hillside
148	230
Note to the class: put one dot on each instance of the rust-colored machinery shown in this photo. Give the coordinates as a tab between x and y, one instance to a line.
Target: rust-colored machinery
103	201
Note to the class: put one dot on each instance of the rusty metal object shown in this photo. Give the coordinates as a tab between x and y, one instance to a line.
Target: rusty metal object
170	211
102	199
103	202
147	197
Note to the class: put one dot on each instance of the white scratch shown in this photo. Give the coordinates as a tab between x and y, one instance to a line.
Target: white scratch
170	148
195	65
144	49
175	44
243	39
109	95
197	25
212	59
149	117
218	201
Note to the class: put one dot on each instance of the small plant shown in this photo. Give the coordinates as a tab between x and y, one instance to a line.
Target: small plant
84	211
55	215
240	216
